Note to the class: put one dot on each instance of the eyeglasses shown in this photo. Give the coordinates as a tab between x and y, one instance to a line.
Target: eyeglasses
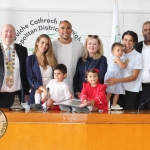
95	36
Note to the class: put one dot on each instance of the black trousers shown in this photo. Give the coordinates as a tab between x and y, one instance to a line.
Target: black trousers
7	98
129	101
143	96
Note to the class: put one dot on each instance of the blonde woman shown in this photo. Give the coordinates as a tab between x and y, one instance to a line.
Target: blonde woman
39	67
92	58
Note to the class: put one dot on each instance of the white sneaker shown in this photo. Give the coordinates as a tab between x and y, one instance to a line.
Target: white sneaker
117	107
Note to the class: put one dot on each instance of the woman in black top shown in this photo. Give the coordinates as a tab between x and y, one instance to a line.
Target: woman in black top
92	58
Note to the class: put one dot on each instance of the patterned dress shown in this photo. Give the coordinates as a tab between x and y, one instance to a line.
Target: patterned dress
114	71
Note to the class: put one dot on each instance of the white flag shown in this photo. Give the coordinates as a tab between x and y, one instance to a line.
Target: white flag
116	35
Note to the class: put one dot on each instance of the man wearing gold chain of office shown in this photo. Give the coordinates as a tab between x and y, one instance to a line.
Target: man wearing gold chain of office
12	68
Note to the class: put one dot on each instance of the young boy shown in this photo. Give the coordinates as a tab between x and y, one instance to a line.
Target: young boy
58	89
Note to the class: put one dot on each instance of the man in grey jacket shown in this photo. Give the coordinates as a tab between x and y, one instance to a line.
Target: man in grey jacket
67	50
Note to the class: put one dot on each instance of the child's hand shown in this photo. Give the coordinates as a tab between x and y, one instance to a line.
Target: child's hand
44	94
71	97
82	105
90	102
127	61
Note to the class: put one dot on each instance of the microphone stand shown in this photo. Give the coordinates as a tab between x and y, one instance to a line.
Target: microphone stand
47	99
142	104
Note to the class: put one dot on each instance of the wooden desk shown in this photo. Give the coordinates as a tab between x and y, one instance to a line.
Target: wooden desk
55	130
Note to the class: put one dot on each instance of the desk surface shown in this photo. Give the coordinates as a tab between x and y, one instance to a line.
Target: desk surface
111	117
43	131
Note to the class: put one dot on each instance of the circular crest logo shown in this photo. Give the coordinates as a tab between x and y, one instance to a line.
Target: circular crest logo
3	123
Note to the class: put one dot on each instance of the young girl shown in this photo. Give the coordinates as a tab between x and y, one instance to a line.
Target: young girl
93	94
115	71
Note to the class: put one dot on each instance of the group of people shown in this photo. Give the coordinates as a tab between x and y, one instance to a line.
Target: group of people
64	69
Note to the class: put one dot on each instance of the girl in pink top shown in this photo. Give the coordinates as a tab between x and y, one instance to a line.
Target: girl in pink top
93	94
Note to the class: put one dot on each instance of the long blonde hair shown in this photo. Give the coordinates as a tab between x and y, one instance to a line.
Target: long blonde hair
99	52
49	57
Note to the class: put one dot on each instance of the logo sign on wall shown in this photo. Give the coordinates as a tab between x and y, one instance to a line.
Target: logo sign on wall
36	27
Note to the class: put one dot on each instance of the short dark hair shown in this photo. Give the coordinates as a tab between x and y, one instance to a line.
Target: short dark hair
147	22
66	21
131	33
62	68
116	44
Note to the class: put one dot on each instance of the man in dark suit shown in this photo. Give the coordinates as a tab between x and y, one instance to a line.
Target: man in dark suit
144	48
13	78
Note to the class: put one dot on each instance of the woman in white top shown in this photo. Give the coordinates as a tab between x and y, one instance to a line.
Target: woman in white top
39	67
131	74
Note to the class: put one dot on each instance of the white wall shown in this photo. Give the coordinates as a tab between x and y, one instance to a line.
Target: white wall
86	16
105	5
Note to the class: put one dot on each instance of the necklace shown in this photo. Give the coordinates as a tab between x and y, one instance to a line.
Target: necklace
86	69
9	57
12	54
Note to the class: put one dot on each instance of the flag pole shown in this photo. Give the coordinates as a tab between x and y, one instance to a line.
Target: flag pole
115	36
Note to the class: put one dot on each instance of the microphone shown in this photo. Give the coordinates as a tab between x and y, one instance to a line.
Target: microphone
142	104
47	98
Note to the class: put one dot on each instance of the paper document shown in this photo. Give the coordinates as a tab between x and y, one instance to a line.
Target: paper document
70	102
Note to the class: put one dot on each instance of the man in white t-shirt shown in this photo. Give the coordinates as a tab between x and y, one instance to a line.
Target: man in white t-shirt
144	48
67	50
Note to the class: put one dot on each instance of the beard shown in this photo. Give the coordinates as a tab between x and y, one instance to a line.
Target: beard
147	37
147	40
65	38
